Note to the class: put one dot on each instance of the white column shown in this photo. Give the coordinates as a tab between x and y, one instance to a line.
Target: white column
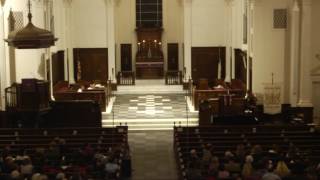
111	40
3	83
250	40
187	5
294	53
305	93
68	39
229	37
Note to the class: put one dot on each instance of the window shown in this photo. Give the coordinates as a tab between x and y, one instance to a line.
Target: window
149	13
280	18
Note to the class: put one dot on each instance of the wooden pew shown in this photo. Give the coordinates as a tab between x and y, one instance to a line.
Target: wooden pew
82	113
89	91
224	138
75	138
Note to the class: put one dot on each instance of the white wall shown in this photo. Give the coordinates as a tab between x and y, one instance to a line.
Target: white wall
89	23
237	24
60	28
125	24
173	27
270	46
209	23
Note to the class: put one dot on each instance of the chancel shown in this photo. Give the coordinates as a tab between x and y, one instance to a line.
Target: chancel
159	89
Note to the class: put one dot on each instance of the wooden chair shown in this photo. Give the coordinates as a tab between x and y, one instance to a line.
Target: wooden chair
203	84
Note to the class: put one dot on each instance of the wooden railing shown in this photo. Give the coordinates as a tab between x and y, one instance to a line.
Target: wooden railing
109	93
126	78
27	98
173	77
190	89
11	99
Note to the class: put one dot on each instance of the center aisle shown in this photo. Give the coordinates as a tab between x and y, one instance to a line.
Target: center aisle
152	155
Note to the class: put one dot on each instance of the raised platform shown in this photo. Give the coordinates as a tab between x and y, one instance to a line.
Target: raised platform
150	112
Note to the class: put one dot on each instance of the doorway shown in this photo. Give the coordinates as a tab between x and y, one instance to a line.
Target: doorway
126	57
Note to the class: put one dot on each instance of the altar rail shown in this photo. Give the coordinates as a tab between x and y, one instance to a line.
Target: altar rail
126	78
173	77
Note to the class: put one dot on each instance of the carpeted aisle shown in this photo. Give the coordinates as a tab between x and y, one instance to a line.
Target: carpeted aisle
152	155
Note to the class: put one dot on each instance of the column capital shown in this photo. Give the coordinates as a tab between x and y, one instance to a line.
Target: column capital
229	2
3	2
306	2
187	2
112	2
295	6
67	2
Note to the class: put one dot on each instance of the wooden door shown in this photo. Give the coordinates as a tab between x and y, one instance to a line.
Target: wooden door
240	65
173	56
205	62
57	67
126	57
93	64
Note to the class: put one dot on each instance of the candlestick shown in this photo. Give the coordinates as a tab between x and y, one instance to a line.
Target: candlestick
155	43
143	45
139	46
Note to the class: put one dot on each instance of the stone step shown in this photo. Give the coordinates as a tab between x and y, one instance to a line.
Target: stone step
150	124
154	86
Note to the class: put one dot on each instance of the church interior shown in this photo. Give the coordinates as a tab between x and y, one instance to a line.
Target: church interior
159	89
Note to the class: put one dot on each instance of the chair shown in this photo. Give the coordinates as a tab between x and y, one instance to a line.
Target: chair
203	84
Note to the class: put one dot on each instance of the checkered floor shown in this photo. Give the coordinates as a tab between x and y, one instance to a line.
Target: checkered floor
150	106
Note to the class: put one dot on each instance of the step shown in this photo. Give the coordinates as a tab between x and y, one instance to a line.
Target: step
151	89
154	86
150	124
143	127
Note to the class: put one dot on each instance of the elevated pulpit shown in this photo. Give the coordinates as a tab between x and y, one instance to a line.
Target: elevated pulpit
149	57
27	102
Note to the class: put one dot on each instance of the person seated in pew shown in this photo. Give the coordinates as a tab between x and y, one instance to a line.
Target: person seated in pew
270	174
282	169
240	153
111	167
223	173
26	167
257	153
233	167
213	166
206	155
247	169
15	175
194	166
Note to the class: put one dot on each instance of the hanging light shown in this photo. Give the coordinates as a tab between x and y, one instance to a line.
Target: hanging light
31	37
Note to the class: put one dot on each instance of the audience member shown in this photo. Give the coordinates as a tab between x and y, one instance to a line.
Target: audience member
223	173
247	169
282	169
